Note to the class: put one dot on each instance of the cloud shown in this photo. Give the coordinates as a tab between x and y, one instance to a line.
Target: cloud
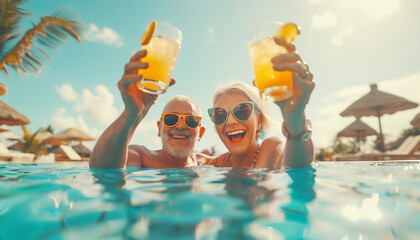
328	122
344	32
323	21
61	121
148	126
150	141
98	108
146	134
105	35
379	9
67	92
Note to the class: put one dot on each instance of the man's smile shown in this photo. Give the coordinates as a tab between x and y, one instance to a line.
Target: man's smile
179	136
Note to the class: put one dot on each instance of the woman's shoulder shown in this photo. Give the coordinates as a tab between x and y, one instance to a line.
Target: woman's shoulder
271	142
221	160
204	159
271	152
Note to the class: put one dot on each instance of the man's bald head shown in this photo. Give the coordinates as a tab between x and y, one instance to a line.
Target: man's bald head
182	99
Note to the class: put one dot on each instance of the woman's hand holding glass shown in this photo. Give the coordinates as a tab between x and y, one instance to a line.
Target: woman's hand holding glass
293	107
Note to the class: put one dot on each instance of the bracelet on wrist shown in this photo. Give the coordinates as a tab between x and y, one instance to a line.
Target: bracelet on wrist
303	137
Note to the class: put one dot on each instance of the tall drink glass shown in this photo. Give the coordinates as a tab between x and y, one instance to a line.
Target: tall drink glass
162	52
273	85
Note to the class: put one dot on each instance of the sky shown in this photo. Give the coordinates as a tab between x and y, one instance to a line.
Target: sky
348	45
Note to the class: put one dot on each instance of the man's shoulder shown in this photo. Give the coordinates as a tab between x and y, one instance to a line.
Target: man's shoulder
139	149
139	155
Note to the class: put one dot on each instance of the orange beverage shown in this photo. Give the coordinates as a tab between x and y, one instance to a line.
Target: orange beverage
162	51
273	85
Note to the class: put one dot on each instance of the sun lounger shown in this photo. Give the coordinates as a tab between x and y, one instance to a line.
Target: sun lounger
66	153
408	147
408	150
6	155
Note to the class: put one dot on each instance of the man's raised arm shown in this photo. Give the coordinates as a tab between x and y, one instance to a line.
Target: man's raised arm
111	150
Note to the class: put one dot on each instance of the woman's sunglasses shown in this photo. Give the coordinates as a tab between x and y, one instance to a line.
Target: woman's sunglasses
172	119
242	112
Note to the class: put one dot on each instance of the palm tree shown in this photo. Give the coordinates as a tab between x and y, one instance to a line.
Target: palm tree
20	51
50	129
339	147
29	143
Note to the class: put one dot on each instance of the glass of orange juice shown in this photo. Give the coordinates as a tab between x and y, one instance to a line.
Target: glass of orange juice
162	42
273	85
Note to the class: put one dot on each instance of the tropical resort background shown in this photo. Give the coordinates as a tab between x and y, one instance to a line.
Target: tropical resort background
24	49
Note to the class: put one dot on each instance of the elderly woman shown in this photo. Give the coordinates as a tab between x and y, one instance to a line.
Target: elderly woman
241	116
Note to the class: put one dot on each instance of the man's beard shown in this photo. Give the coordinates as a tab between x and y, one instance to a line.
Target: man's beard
178	154
175	153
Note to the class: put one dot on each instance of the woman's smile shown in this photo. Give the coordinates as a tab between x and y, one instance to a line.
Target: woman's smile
236	136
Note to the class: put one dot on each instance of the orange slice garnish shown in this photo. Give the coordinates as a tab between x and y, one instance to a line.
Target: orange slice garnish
149	33
288	32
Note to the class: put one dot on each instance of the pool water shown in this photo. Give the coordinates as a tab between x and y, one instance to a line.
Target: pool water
330	200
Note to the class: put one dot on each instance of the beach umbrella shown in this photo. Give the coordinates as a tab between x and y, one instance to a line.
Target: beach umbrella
42	135
55	141
10	116
3	89
377	103
82	150
70	134
357	129
416	121
15	147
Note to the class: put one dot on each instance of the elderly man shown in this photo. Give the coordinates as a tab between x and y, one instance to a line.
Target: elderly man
179	128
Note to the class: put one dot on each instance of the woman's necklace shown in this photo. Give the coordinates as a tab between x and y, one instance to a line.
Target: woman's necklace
229	161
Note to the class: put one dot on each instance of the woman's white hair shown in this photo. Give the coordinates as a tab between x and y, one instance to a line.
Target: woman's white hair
250	92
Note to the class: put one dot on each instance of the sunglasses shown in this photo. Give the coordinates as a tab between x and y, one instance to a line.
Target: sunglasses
172	119
242	112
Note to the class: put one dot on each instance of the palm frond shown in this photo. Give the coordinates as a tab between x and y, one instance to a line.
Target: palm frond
29	143
49	32
10	16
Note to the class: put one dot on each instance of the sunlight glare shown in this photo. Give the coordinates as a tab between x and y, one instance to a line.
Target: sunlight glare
369	210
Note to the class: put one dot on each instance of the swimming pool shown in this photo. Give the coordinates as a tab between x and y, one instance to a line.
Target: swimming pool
331	200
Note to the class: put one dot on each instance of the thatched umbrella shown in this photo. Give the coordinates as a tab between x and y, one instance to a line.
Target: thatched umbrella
357	129
11	116
70	134
416	121
377	103
3	89
42	135
82	150
15	147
